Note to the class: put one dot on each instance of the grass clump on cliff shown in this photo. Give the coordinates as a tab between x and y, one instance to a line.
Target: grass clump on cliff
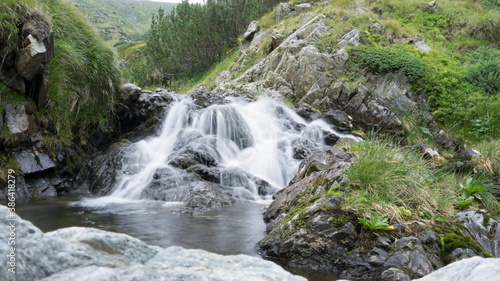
396	181
83	72
383	177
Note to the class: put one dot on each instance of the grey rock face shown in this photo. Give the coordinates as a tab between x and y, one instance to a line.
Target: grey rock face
87	254
350	39
283	10
472	269
393	90
252	28
302	7
33	162
394	274
487	233
17	122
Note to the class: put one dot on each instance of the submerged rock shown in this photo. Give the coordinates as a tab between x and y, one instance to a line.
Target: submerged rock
79	253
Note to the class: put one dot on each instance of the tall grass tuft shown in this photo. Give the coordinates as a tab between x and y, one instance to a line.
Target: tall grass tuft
387	177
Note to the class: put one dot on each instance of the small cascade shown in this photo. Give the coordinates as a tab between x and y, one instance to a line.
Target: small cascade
251	149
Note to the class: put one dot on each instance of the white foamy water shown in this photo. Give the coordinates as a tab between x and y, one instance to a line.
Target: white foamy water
245	142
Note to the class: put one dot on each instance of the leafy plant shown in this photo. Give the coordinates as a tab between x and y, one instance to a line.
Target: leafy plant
435	217
377	223
468	192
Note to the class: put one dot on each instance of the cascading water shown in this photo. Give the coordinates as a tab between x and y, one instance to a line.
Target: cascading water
250	148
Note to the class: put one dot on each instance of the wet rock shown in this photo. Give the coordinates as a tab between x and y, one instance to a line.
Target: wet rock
33	162
205	99
251	30
103	169
17	122
60	154
394	274
338	118
205	196
43	187
142	115
473	269
484	229
330	138
468	154
100	138
201	151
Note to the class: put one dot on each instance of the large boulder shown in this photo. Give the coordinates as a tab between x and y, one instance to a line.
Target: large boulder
86	254
472	269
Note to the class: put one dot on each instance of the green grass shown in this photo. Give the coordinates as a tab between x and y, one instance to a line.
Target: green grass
83	73
384	178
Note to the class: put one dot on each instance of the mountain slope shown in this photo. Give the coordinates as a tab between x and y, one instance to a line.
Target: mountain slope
120	20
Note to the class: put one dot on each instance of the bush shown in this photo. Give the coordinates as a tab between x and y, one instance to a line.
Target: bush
386	60
483	69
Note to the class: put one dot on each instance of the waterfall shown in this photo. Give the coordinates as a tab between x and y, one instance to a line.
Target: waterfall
253	148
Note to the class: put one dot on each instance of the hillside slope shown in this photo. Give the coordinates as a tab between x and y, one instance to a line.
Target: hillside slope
121	20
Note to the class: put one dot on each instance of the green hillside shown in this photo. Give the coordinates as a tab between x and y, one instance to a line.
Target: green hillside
120	20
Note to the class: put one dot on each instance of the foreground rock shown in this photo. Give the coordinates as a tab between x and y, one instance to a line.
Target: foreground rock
308	226
78	253
473	269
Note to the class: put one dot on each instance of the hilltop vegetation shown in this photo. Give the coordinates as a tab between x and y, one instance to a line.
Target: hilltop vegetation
120	21
187	41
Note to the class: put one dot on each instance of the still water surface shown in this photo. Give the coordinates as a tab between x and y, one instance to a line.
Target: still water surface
228	231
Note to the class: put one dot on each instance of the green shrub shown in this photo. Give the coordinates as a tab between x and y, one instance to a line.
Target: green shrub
483	69
386	60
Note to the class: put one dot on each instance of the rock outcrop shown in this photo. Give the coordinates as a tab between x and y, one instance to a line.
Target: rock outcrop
296	69
25	68
79	253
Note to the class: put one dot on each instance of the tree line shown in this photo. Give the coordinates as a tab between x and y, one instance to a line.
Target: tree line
193	37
